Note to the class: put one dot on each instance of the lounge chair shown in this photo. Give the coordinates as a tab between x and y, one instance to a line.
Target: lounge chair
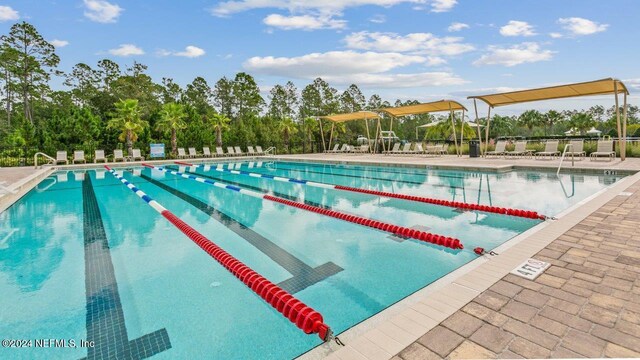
192	152
520	150
343	149
499	150
250	150
181	153
334	150
437	149
259	150
219	151
78	156
61	156
99	156
605	148
230	151
362	149
550	149
406	148
118	155
238	151
418	149
136	155
394	150
577	149
206	152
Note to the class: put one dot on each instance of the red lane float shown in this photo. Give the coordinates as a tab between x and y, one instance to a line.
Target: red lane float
396	230
303	316
456	204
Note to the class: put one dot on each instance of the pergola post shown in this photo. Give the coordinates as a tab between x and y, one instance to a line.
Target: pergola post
475	105
375	149
366	123
324	146
624	124
486	143
620	141
461	131
453	127
333	125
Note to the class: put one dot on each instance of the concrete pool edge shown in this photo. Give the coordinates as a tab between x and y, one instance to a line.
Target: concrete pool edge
22	187
387	333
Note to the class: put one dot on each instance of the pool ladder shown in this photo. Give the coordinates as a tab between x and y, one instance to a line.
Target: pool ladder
35	159
563	156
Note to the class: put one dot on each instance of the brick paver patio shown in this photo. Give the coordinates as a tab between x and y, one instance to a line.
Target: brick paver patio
587	304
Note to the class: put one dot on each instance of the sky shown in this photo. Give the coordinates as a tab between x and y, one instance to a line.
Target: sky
401	49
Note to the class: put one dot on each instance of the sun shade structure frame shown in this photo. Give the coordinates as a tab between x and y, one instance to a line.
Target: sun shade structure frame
340	118
431	107
589	88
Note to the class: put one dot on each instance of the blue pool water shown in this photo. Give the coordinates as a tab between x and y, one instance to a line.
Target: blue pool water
82	242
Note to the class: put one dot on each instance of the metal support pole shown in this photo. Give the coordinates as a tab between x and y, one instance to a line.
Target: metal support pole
461	131
453	127
324	146
486	144
624	124
475	105
620	141
333	125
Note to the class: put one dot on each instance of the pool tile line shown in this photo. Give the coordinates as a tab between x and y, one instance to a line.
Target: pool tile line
105	320
303	275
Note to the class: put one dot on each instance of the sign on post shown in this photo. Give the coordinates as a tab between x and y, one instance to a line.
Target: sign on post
157	150
530	269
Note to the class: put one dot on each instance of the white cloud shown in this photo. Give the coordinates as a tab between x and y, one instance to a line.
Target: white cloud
346	67
457	26
59	43
420	43
189	51
555	35
378	19
434	61
8	14
528	52
102	11
632	83
517	28
442	5
126	50
579	26
304	22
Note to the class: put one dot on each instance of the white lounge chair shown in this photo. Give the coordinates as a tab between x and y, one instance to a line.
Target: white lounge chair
118	155
219	151
550	149
259	150
192	152
238	151
605	148
577	149
437	149
250	150
136	155
99	156
335	149
406	148
418	149
78	156
206	152
230	151
61	156
520	150
394	150
362	149
181	153
500	149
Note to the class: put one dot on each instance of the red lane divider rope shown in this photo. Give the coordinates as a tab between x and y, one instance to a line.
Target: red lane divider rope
396	230
456	204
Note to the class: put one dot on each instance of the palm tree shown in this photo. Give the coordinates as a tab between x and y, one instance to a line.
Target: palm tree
581	121
220	123
127	119
310	125
553	117
288	128
530	119
172	118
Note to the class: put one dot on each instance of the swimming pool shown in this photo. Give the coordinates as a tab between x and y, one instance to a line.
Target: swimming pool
81	242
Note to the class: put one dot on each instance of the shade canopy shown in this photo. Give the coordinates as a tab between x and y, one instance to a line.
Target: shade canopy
358	115
430	124
598	87
425	108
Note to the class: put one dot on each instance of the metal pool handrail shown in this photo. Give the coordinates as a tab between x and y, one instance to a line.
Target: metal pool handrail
35	158
563	155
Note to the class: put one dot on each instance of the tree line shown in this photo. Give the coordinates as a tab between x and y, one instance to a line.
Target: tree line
105	106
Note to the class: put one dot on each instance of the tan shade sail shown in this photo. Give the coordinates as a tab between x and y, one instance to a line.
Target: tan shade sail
598	87
425	108
359	115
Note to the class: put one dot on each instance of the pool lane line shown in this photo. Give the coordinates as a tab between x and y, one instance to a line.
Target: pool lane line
423	236
378	169
455	204
105	321
303	275
300	314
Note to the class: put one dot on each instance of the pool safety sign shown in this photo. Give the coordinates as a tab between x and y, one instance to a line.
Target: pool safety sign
157	150
531	269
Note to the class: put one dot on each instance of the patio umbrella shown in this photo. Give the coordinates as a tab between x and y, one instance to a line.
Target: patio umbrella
594	131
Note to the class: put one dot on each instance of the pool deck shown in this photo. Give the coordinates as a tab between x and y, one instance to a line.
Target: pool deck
587	304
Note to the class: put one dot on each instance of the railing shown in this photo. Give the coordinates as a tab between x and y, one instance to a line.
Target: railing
271	150
35	158
563	156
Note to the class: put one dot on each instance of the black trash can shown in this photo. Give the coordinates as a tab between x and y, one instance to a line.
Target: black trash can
474	148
